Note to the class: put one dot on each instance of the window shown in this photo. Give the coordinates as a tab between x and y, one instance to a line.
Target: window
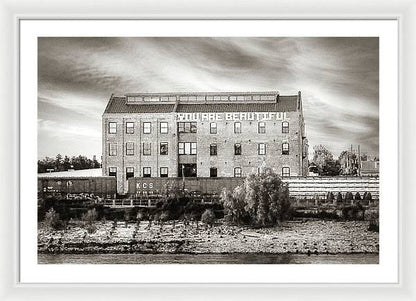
213	150
187	127
129	172
129	127
163	127
147	127
213	128
147	172
112	171
262	128
285	127
113	149
237	172
112	127
129	149
237	127
187	148
163	172
147	149
163	148
285	172
285	148
213	172
237	149
261	149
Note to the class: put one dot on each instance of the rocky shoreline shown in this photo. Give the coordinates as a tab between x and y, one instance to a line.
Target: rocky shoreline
298	237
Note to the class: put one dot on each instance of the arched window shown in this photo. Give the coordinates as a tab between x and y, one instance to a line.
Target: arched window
285	148
285	127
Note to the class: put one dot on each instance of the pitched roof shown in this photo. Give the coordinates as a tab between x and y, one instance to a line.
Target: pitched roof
120	105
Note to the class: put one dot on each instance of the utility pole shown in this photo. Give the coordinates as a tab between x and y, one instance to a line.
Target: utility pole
359	161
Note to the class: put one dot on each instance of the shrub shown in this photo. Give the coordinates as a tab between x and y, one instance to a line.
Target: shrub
52	219
339	197
89	218
262	200
348	196
330	197
208	217
367	196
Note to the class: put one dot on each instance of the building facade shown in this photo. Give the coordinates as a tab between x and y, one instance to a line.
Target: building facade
203	135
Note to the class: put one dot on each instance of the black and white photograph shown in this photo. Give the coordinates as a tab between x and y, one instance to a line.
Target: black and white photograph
208	150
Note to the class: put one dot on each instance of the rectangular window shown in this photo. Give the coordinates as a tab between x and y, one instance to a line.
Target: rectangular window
213	150
112	171
237	172
187	148
237	127
147	172
237	149
261	149
285	148
213	172
163	127
129	127
163	172
213	128
129	148
147	127
129	172
112	127
113	149
285	127
181	148
147	149
285	172
186	127
262	128
163	148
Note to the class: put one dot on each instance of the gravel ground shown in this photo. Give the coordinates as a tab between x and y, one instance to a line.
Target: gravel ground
305	236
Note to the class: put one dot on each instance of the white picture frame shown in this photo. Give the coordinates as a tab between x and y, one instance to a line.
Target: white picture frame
12	288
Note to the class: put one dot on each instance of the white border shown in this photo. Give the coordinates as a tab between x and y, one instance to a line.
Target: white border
385	272
403	10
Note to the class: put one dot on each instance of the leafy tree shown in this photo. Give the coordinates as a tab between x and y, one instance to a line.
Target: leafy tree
52	219
60	163
331	168
321	155
208	217
262	200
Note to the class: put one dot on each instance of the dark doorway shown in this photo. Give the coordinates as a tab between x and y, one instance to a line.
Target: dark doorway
187	170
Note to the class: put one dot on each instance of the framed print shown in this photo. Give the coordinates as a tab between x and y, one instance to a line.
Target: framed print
235	153
168	190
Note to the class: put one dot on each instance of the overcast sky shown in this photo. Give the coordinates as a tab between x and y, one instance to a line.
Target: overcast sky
338	78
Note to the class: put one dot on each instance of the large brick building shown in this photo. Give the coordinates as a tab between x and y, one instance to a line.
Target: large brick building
203	135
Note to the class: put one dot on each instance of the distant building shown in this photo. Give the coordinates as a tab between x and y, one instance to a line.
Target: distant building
203	135
370	168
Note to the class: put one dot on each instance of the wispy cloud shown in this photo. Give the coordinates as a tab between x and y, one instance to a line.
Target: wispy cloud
338	78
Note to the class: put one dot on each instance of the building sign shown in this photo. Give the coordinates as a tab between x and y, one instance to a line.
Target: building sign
238	116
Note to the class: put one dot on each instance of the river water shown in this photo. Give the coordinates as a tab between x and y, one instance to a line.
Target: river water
208	258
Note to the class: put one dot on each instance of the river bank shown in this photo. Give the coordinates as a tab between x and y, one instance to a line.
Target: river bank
298	237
